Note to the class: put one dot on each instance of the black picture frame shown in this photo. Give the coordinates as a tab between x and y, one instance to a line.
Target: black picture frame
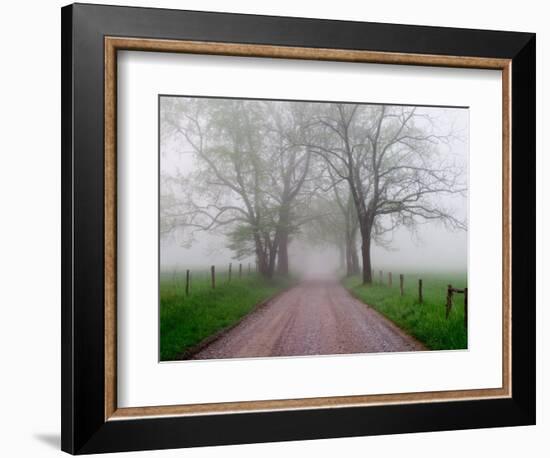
84	429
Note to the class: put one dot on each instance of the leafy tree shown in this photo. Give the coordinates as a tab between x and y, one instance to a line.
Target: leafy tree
227	138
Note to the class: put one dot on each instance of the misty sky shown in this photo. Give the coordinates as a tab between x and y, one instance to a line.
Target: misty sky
431	247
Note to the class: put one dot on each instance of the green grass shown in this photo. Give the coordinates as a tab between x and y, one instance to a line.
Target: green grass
424	321
187	320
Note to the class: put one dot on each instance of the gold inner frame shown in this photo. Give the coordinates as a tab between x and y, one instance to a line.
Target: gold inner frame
114	44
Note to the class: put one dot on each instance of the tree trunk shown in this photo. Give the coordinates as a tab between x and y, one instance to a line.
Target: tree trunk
349	255
353	248
271	248
282	255
352	260
271	262
261	256
366	230
282	238
367	270
263	263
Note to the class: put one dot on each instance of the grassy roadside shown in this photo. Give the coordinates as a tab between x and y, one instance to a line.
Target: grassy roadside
425	321
187	320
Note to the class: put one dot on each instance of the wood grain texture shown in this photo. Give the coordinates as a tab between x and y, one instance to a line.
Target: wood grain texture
306	403
288	52
112	45
110	197
507	228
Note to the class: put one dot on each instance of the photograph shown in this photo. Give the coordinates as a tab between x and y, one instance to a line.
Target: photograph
311	228
283	225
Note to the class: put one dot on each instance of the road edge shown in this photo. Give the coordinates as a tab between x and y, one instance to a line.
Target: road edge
389	320
194	349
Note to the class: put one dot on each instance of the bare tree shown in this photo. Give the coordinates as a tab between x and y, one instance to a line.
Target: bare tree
227	138
348	214
390	158
334	222
253	174
289	168
335	218
260	165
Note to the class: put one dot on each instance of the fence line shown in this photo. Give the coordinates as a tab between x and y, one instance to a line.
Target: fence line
213	274
176	276
450	292
448	304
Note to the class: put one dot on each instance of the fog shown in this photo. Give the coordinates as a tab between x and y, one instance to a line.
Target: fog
432	249
422	246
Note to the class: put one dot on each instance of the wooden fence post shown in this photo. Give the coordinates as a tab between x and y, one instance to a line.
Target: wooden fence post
401	283
420	297
229	273
449	303
240	270
248	268
213	275
465	308
389	279
381	277
187	283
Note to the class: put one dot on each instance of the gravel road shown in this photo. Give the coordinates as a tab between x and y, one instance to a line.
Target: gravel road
313	318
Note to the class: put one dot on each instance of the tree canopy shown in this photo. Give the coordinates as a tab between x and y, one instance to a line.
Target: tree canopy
342	173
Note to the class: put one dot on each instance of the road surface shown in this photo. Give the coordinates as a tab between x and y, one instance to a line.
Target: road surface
312	318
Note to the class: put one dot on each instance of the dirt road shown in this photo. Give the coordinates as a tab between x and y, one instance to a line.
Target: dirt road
313	318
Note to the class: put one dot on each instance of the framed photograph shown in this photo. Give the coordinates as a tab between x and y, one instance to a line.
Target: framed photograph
284	228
